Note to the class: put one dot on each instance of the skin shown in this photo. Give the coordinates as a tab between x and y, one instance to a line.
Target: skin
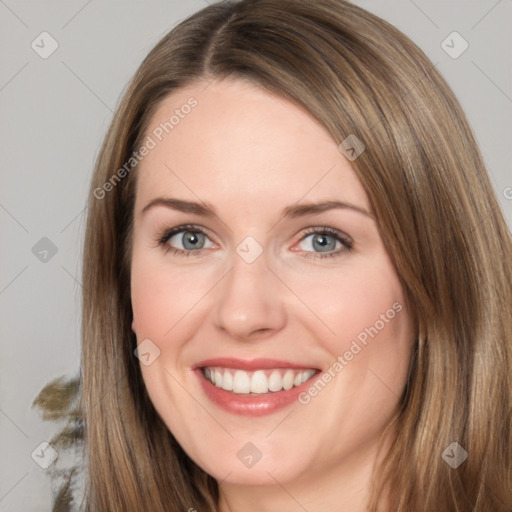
250	154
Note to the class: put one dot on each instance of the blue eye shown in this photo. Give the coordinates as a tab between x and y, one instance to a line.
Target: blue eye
326	242
191	238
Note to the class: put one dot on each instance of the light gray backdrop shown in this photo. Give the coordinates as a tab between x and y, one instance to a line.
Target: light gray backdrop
55	108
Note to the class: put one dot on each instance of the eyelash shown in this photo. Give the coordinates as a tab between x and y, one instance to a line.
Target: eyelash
164	237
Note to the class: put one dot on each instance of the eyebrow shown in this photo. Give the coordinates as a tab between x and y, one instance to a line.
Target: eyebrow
293	211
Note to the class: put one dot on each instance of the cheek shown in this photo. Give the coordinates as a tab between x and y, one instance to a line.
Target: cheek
376	338
371	304
160	295
148	299
363	323
353	299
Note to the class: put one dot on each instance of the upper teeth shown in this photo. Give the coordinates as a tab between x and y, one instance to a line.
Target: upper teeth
259	381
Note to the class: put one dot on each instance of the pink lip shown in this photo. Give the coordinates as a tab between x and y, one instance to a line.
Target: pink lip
249	364
249	405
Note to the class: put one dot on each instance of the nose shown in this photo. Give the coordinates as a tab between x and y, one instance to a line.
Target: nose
249	304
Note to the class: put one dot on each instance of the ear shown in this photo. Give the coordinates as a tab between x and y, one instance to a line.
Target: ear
133	326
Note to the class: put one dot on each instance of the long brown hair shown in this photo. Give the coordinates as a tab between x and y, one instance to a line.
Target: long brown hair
437	215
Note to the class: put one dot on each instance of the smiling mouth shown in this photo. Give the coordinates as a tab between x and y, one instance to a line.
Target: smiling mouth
258	382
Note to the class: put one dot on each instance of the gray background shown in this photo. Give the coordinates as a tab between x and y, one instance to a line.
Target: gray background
55	112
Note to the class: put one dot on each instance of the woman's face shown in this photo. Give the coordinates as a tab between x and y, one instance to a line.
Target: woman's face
274	282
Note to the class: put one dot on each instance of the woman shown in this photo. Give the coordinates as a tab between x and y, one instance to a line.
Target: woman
297	279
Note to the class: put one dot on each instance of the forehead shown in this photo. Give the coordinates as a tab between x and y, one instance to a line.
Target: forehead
232	141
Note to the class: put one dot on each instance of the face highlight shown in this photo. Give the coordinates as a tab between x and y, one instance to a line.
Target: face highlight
257	270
